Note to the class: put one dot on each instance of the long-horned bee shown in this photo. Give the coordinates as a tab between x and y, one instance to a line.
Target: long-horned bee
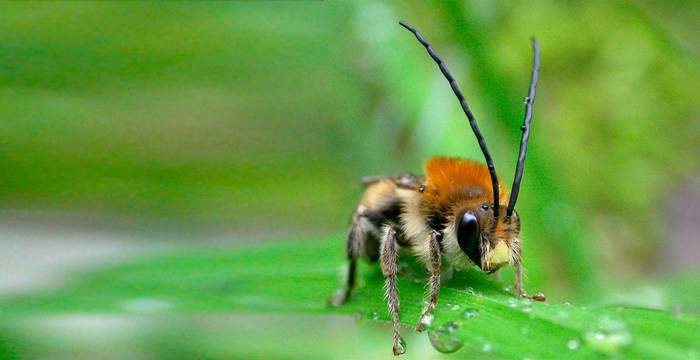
456	211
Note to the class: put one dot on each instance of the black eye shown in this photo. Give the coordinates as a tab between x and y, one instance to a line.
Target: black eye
468	236
485	207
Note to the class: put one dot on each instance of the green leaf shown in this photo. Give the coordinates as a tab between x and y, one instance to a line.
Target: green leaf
296	278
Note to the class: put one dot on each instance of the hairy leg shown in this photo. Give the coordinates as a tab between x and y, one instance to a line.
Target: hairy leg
434	267
388	257
519	279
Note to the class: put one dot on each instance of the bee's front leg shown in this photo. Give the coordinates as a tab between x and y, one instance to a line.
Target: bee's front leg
389	255
517	264
435	267
519	279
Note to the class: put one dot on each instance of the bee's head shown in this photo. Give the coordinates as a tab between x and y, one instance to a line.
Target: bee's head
489	242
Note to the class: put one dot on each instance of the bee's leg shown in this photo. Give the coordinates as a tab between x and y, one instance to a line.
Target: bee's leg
519	279
517	263
389	255
435	267
352	250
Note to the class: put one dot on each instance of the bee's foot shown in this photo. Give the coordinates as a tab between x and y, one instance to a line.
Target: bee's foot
338	298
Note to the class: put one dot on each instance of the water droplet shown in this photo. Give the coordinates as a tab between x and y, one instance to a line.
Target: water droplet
486	347
373	315
426	321
470	313
444	338
567	303
470	290
526	99
453	307
508	288
539	296
573	344
608	335
400	347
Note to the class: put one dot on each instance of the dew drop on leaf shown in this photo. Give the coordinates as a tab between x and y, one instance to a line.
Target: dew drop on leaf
373	315
400	347
573	344
470	313
453	307
607	335
444	339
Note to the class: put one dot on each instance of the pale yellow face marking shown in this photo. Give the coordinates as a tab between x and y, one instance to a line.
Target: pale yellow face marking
500	255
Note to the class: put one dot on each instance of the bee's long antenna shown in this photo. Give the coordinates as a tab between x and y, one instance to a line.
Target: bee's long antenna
529	100
467	111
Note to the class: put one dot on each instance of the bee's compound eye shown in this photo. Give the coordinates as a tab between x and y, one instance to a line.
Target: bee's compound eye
468	236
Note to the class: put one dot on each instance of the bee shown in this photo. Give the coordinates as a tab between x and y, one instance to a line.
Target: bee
456	211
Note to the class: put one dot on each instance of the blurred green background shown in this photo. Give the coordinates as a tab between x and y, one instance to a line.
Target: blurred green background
241	122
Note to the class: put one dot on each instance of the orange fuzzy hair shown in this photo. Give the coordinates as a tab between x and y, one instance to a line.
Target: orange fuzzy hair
450	179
